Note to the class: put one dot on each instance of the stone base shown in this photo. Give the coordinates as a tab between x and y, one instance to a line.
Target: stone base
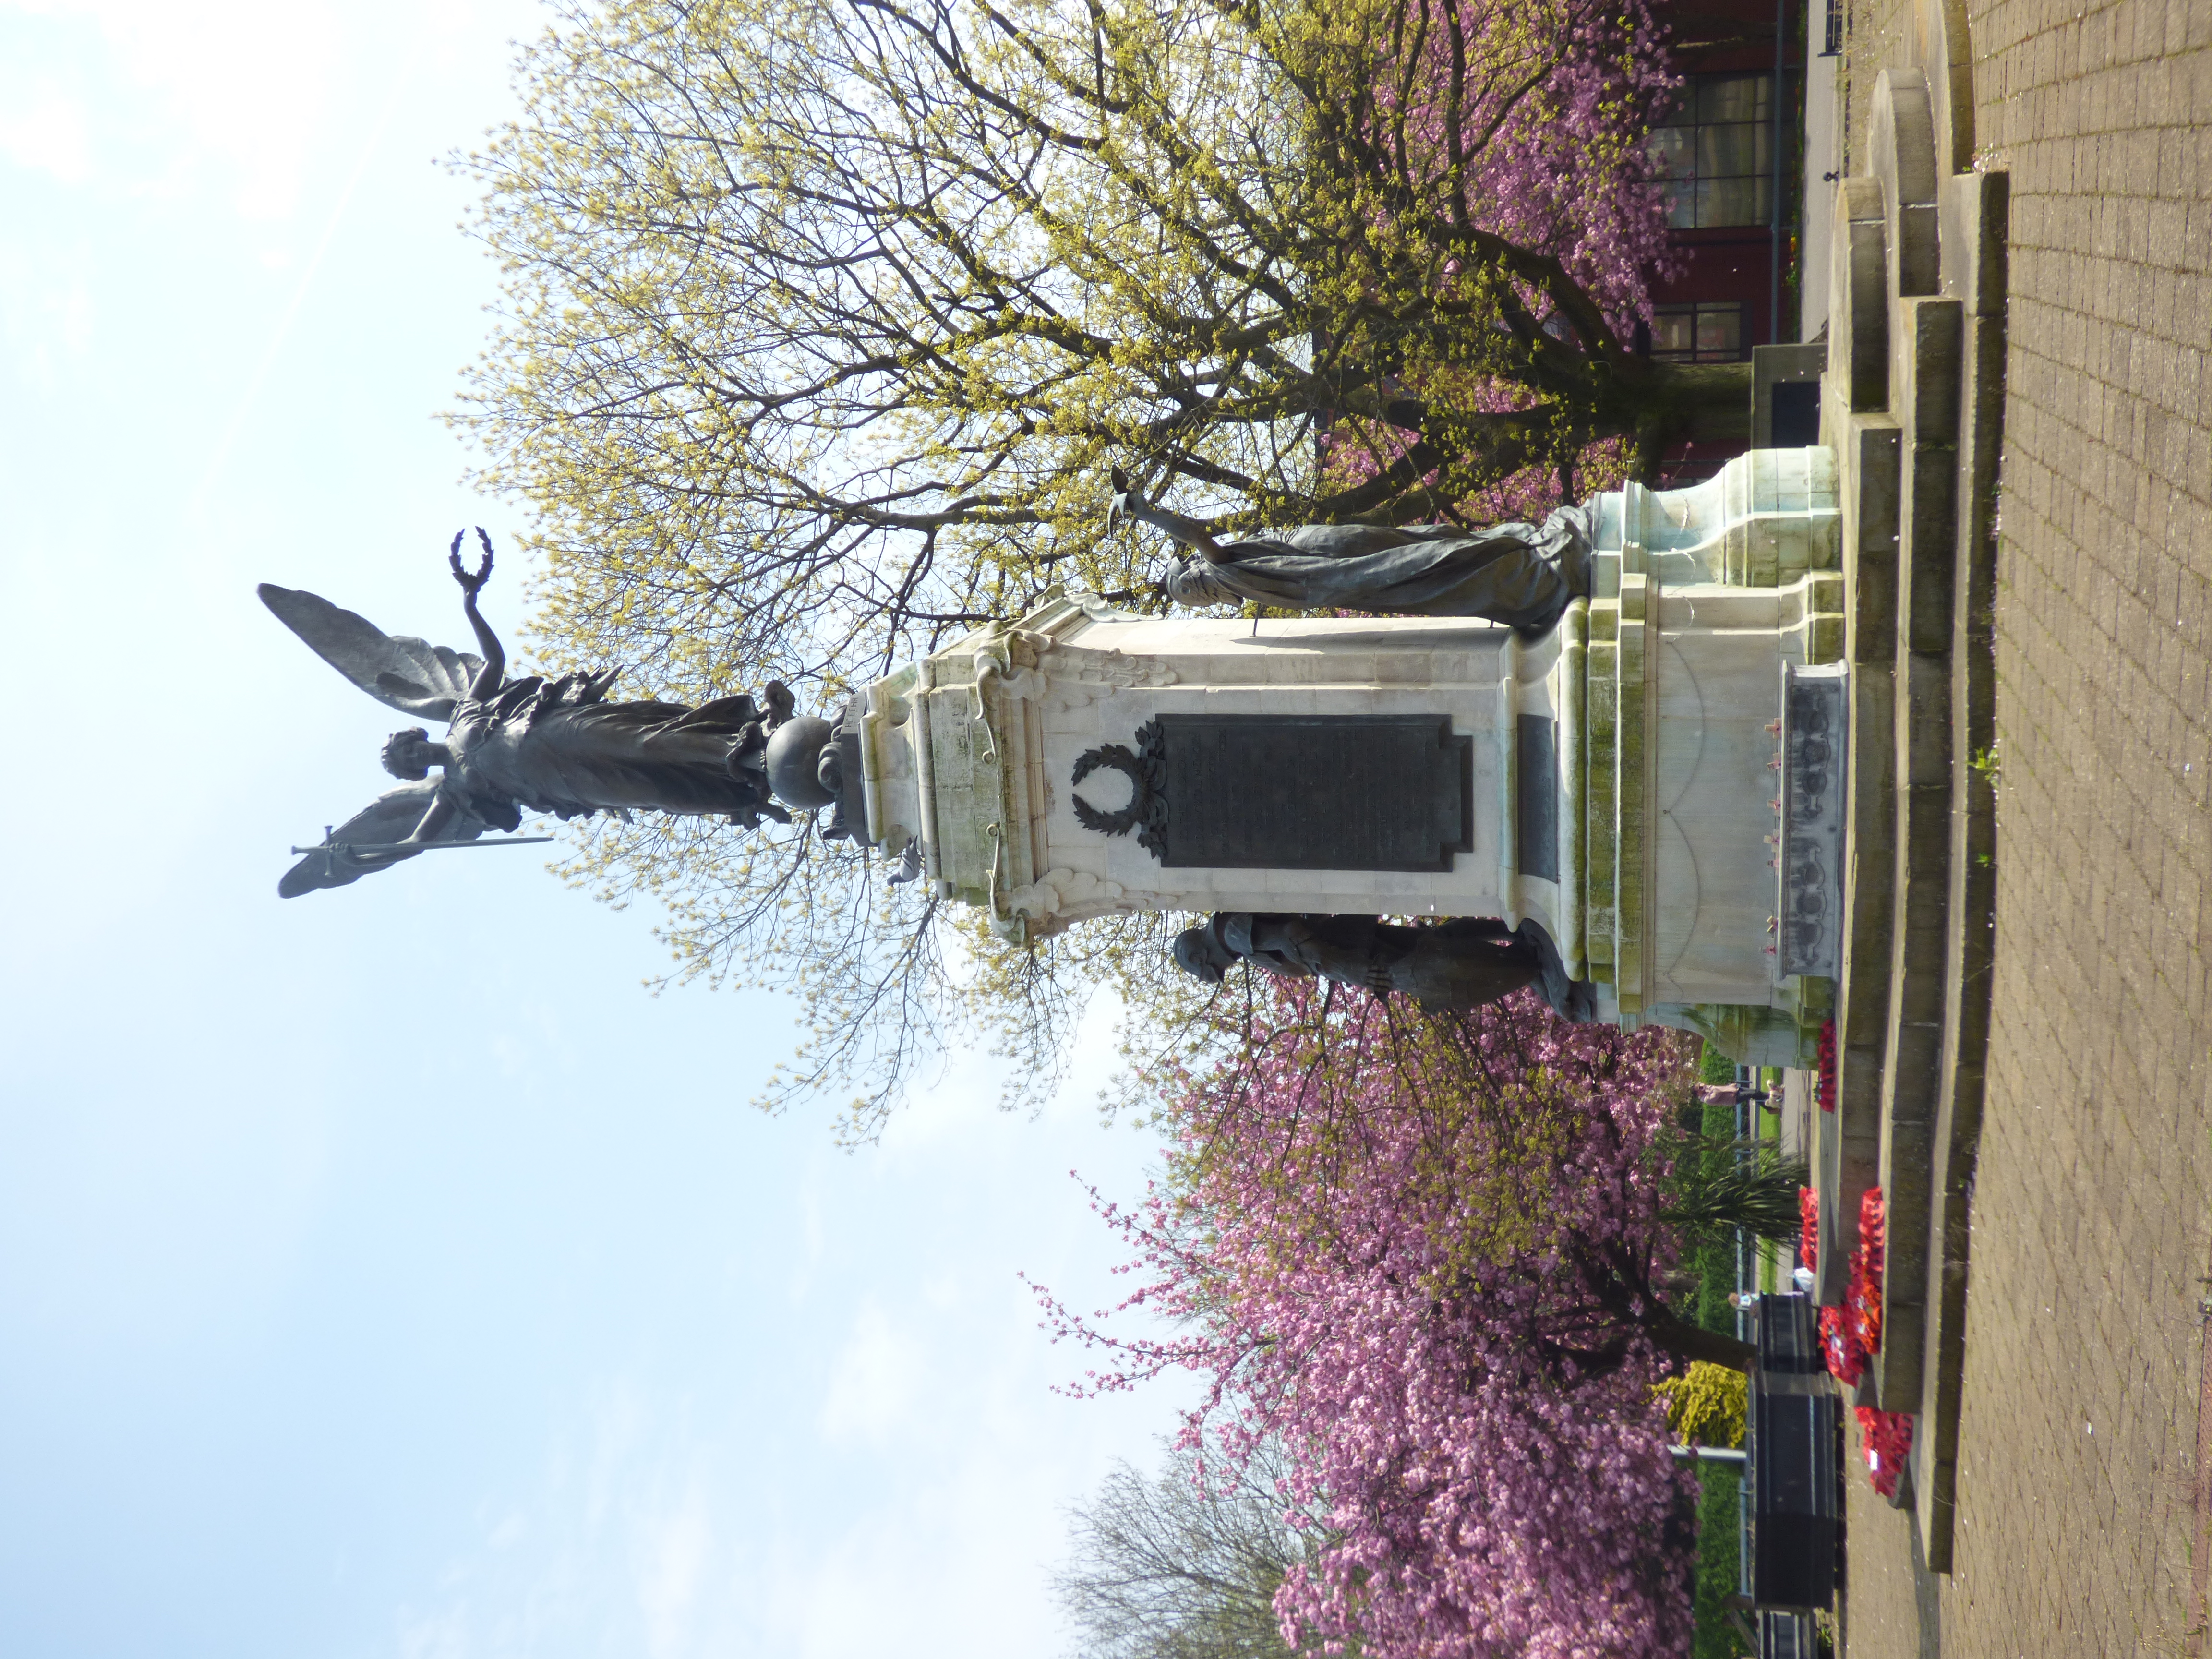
1702	600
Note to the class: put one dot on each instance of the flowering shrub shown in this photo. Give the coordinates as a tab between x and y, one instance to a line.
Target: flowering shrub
1422	1261
1808	1237
1707	1403
1827	1091
1559	166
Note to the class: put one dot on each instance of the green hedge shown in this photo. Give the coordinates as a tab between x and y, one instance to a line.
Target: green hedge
1714	1066
1719	1543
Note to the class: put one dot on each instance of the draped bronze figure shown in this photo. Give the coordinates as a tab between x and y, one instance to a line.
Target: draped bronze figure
1523	575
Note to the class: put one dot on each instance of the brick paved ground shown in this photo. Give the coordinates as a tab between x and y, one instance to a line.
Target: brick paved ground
2093	1210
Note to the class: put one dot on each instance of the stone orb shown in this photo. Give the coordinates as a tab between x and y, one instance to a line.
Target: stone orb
793	761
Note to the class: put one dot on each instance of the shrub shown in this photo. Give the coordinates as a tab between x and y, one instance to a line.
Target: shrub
1706	1405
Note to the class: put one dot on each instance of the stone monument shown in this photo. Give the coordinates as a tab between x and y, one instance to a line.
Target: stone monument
1618	779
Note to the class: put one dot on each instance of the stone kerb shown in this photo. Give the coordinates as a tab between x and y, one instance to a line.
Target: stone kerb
1857	424
1911	406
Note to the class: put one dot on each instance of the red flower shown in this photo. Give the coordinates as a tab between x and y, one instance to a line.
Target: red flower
1863	1296
1887	1438
1871	1211
1840	1346
1826	1092
1851	1335
1809	1240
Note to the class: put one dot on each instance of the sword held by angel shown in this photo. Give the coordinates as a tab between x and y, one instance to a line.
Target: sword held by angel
554	746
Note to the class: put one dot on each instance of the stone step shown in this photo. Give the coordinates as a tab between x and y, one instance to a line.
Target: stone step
1912	404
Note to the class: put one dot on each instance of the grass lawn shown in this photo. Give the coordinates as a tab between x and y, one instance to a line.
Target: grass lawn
1718	1544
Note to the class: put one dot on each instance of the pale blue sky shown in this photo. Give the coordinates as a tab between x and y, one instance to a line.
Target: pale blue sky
386	1272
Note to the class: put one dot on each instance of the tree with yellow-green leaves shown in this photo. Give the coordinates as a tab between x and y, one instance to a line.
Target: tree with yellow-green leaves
826	319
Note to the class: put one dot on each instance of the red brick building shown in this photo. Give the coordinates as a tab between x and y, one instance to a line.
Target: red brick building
1734	231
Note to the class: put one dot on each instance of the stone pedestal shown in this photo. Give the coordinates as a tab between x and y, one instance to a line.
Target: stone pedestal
1616	781
1700	598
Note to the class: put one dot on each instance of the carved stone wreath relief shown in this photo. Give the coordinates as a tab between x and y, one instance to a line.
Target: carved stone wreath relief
1146	771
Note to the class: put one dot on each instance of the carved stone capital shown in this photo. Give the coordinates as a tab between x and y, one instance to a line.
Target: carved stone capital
1061	896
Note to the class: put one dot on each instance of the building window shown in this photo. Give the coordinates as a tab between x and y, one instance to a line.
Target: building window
1716	156
1704	332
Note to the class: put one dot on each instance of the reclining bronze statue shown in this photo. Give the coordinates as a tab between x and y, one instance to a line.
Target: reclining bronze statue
1462	964
1521	575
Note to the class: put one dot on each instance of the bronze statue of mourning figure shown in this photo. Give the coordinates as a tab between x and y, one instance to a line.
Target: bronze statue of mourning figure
1462	964
1521	575
556	746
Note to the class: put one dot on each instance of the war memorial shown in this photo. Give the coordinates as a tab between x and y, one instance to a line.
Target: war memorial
1736	777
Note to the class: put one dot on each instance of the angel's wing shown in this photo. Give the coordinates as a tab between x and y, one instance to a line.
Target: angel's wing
383	820
400	672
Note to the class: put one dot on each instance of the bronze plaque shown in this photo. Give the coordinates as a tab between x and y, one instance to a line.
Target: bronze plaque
1308	792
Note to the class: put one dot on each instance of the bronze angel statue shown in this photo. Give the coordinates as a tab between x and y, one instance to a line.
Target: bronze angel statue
556	746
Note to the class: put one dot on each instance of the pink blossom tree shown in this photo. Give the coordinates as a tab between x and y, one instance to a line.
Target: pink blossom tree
1422	1260
1554	160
